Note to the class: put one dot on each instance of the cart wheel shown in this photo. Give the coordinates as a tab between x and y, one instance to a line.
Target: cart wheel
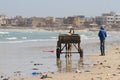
58	53
81	52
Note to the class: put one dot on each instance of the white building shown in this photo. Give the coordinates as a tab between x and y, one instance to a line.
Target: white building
3	20
111	18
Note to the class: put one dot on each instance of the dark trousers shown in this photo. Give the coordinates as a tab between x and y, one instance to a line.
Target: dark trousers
102	47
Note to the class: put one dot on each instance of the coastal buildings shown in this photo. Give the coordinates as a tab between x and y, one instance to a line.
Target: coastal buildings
108	19
78	21
42	22
74	20
50	21
3	20
37	22
20	21
59	22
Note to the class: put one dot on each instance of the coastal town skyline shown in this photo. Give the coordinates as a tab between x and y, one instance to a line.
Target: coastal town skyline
57	8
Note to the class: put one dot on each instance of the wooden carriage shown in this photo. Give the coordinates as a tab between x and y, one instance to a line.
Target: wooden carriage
65	39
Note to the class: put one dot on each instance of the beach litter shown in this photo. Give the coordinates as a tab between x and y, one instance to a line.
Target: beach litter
36	73
45	76
52	51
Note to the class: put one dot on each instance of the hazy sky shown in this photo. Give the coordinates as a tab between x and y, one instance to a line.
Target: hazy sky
58	8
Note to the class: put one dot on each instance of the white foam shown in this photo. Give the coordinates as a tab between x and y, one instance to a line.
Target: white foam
4	32
24	37
24	41
54	37
11	38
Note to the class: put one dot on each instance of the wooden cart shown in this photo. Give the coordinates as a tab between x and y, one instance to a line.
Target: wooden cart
64	40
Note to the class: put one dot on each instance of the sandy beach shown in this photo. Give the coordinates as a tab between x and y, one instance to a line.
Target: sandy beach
106	68
103	68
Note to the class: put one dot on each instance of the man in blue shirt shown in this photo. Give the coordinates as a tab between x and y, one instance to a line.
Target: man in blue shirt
102	35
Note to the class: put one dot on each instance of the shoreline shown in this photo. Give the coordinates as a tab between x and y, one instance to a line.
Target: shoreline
56	30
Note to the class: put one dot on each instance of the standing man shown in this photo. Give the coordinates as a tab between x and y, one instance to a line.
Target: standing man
102	35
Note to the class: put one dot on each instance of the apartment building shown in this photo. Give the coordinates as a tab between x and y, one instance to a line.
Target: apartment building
3	20
74	20
37	22
59	22
108	19
68	20
100	20
20	21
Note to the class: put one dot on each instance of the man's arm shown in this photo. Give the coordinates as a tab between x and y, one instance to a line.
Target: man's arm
105	34
99	34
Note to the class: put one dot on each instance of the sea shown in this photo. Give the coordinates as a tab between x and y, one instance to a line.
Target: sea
27	53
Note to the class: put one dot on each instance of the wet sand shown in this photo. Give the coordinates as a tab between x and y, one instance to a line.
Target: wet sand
104	68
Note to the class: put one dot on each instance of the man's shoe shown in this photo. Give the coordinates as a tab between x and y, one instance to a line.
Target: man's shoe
102	55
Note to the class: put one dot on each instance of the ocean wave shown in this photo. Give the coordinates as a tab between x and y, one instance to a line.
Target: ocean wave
54	37
24	37
25	41
4	32
11	38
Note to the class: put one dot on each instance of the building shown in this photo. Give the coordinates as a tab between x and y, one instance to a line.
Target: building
3	20
78	21
108	19
17	21
89	22
74	20
28	22
100	20
38	22
59	22
50	21
68	20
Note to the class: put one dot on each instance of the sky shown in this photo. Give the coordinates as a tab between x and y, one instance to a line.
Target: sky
58	8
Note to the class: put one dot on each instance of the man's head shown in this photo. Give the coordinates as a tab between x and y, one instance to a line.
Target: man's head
102	27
